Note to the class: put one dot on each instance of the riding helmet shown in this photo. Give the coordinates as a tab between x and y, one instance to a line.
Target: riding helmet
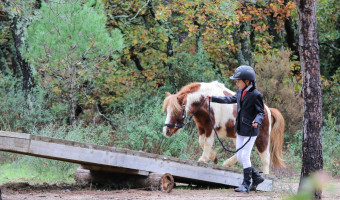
244	72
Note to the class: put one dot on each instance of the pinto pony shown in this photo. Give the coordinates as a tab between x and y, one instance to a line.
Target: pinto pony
189	101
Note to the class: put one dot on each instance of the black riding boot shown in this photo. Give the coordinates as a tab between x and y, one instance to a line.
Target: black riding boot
257	179
245	186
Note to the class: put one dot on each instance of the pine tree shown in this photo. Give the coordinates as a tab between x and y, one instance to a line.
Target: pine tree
67	41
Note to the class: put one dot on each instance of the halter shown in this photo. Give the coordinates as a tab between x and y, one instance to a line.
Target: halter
183	116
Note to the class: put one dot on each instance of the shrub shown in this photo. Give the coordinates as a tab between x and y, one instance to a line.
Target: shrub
279	89
331	145
19	111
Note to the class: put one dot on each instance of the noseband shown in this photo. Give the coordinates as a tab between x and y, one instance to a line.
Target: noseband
183	116
178	123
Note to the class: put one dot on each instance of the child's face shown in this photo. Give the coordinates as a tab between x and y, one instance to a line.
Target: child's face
240	84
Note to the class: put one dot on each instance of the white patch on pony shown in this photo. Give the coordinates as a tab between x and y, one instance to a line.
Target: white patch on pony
167	120
265	155
222	112
206	144
232	160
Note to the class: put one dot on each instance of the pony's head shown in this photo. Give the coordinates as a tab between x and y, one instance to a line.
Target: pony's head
174	107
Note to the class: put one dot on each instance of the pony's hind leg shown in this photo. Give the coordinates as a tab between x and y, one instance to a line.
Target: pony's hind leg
206	144
265	158
232	160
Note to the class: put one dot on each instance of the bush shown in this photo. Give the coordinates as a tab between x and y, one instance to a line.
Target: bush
279	89
19	111
331	145
330	96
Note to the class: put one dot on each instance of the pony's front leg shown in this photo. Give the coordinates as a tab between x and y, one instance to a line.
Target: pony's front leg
206	144
232	160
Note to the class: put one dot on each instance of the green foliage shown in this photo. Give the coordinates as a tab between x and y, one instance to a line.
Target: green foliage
330	96
331	145
67	43
19	112
87	134
66	33
328	16
140	126
189	68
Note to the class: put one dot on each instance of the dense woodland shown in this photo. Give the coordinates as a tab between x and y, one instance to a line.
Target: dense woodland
97	70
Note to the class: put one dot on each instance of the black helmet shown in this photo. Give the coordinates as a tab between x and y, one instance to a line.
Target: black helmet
244	72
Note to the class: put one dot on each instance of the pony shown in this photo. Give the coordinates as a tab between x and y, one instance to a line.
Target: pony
189	101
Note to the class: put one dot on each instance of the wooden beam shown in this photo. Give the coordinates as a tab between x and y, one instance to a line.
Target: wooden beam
111	158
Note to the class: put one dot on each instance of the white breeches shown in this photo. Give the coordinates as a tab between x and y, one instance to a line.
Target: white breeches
243	155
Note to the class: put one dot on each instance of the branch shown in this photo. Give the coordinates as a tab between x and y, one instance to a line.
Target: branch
147	3
96	105
330	46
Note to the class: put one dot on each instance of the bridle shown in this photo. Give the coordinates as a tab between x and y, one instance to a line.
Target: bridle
179	123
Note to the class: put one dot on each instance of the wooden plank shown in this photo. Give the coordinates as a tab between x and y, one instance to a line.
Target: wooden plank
14	144
104	157
15	135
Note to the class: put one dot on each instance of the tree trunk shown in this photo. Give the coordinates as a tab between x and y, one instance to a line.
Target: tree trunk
72	102
18	26
153	181
312	160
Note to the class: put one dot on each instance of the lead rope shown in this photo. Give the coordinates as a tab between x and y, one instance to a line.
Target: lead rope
225	148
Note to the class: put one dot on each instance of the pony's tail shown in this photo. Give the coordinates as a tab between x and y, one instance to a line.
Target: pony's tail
276	138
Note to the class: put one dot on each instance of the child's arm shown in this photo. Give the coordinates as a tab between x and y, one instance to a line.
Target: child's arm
260	110
228	100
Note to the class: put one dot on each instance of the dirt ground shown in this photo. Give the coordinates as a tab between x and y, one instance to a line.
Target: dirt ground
23	191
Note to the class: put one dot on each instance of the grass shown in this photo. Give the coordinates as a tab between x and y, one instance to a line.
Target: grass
27	170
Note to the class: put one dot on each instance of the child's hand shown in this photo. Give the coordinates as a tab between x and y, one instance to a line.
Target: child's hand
255	124
207	98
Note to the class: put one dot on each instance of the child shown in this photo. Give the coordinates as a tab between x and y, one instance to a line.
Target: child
250	113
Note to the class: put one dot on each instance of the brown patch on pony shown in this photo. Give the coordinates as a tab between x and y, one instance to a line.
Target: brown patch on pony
226	93
192	87
235	111
218	128
263	138
230	128
201	117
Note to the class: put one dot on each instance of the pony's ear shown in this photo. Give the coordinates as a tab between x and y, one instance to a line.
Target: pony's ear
167	94
180	98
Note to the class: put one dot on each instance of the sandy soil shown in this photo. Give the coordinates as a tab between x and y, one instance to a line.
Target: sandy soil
23	191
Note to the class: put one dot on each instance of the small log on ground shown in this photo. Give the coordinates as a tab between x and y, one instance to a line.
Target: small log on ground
154	181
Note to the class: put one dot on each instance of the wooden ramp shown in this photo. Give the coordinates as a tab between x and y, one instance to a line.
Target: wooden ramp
116	159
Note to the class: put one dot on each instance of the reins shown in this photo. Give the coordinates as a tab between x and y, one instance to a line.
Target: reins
225	148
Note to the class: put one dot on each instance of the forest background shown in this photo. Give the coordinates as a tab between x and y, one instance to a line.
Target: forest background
97	71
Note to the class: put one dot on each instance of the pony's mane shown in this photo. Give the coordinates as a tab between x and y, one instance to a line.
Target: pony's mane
171	101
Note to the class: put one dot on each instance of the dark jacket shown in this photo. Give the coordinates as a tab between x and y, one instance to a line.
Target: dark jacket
250	109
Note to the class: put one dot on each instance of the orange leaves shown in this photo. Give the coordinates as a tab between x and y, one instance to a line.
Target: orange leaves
258	15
